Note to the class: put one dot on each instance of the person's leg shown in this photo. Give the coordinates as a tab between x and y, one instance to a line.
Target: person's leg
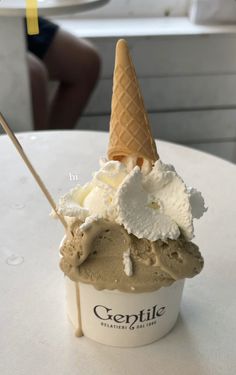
38	82
76	65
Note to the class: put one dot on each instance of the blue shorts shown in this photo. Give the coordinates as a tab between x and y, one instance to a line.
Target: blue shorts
39	44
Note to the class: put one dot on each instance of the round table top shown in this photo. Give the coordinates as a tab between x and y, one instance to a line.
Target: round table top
49	7
35	334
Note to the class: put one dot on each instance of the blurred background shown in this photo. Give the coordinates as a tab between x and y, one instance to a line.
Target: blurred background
185	57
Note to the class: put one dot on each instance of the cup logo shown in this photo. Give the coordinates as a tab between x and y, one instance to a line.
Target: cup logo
142	319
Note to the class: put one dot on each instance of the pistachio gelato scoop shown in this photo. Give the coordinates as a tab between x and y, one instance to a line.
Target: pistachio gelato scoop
105	255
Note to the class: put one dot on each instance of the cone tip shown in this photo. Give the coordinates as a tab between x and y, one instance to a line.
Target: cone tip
122	51
122	43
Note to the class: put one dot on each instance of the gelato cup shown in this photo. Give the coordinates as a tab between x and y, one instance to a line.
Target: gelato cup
127	248
122	319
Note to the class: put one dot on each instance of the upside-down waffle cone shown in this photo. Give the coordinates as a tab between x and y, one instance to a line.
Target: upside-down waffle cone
130	133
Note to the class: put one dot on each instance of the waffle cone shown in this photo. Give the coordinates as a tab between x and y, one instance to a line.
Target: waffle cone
130	133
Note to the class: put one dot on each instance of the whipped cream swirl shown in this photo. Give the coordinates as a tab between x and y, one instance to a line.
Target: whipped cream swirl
156	205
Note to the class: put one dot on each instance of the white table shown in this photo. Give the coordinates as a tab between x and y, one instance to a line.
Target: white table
15	101
36	337
49	7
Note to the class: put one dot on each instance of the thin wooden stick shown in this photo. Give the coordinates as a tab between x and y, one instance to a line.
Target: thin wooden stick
19	148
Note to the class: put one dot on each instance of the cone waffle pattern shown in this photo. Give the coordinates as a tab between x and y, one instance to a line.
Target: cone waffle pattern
130	133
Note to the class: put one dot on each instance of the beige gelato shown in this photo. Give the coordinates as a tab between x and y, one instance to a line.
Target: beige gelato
107	257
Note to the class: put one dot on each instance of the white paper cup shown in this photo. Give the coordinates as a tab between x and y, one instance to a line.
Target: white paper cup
124	319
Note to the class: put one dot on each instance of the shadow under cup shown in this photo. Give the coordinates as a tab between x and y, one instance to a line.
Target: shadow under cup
123	319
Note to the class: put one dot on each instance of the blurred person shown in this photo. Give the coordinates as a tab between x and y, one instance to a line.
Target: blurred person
56	55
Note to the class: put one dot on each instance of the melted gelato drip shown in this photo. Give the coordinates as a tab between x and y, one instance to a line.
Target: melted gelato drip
96	256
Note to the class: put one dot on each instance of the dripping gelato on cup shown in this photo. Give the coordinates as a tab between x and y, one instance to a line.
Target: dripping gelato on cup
128	249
